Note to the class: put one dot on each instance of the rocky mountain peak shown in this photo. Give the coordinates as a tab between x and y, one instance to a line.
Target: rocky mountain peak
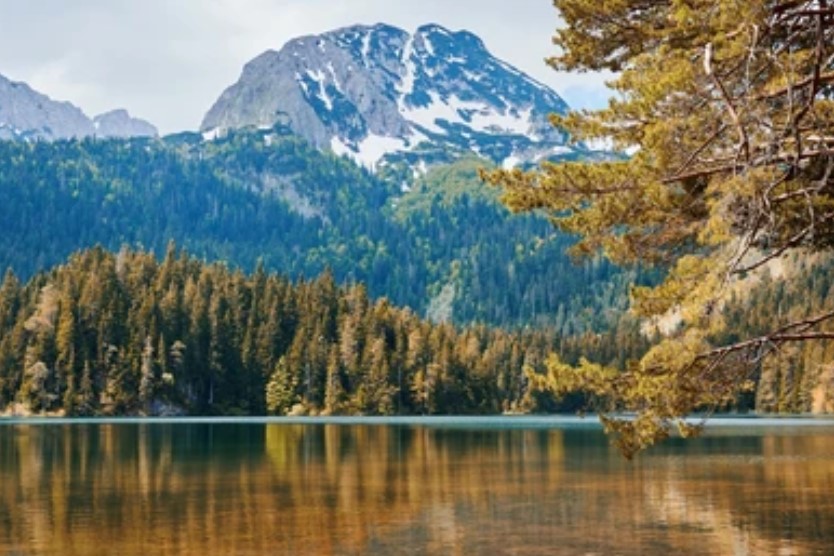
28	114
377	92
120	124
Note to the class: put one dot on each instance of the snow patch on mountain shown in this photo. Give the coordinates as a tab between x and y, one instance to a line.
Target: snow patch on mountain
373	148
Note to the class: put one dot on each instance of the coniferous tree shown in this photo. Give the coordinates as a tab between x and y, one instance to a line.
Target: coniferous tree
726	109
281	395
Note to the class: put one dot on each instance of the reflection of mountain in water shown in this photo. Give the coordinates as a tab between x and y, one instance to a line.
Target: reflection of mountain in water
332	489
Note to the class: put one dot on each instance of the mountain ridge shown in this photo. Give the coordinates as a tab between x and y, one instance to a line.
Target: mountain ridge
27	114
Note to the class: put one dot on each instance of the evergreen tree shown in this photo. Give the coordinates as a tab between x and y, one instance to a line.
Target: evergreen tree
281	394
147	382
727	109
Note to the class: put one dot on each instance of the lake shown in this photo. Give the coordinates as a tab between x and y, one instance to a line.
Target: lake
495	486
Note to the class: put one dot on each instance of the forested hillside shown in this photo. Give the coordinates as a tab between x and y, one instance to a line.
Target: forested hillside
440	243
126	334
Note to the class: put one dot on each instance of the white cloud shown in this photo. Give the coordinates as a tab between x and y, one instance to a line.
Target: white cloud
168	60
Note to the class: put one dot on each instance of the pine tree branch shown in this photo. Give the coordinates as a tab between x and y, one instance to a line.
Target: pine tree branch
766	160
798	331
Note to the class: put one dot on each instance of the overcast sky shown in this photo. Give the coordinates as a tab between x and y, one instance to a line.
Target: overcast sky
168	60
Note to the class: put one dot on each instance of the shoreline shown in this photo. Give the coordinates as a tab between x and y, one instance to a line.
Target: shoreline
486	421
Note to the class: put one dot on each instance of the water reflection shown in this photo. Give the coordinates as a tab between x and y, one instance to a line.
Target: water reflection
339	490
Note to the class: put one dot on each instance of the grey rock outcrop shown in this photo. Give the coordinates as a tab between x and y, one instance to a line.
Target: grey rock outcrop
26	113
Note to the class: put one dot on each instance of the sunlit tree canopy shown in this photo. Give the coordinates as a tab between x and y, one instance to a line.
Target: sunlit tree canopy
726	108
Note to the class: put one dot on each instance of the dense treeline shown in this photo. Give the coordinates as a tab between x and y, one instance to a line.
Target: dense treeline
438	244
125	334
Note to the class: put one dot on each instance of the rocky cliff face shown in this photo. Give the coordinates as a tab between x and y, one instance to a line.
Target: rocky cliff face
377	93
28	114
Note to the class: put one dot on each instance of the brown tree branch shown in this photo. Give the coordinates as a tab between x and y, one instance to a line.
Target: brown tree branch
757	163
781	335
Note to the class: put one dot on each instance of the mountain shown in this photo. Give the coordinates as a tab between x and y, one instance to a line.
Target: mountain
119	123
379	93
28	114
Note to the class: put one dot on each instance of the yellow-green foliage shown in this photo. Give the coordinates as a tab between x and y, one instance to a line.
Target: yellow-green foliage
725	106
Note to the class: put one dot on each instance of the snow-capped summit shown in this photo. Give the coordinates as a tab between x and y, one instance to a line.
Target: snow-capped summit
372	92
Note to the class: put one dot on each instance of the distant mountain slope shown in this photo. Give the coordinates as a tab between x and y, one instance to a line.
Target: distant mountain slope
372	92
445	247
28	114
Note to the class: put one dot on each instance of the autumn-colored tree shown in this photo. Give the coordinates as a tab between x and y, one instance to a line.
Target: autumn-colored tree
281	389
726	110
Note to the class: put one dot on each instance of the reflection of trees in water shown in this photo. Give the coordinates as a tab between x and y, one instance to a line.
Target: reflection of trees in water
767	495
329	489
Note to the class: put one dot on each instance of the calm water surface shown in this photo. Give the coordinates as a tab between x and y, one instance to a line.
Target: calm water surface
460	487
